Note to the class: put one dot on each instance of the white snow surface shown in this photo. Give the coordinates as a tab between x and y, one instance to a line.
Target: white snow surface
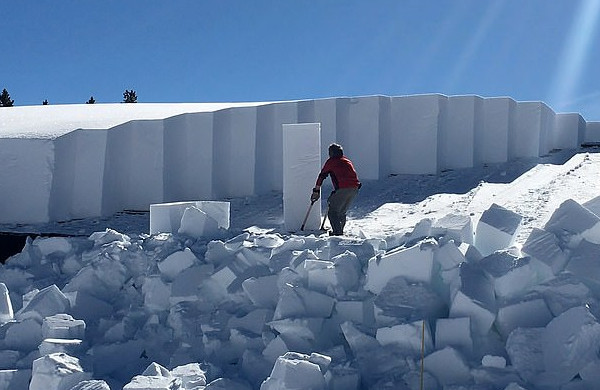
256	307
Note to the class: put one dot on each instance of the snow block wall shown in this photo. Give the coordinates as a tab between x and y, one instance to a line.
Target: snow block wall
238	151
188	159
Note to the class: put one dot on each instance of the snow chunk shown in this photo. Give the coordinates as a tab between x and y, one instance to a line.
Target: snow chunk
6	309
454	227
57	371
510	275
448	366
496	229
544	247
407	337
571	222
294	372
191	375
414	263
46	302
177	262
63	326
528	312
454	332
569	342
196	223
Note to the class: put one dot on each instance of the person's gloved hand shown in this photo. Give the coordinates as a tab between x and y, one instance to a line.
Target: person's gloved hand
316	194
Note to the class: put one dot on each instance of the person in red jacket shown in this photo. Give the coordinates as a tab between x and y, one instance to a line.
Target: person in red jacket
345	184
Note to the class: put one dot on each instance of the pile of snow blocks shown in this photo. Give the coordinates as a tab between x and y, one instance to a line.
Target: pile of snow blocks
263	310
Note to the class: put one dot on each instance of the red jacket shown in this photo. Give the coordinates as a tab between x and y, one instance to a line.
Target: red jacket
343	174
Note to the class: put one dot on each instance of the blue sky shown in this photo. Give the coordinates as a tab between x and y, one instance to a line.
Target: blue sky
261	50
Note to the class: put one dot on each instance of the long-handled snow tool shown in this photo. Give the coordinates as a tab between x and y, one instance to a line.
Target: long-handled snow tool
325	217
307	213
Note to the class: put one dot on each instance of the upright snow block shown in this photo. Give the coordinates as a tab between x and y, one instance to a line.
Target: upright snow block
25	177
358	128
234	153
456	140
269	144
592	132
166	217
496	229
414	133
569	131
133	170
321	111
78	175
532	135
188	143
301	164
491	140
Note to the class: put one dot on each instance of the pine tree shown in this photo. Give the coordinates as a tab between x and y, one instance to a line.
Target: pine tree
91	101
45	102
129	96
5	100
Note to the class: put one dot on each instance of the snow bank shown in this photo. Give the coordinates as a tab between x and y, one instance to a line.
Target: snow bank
263	310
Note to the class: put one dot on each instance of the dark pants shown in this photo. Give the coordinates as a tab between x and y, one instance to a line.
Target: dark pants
339	202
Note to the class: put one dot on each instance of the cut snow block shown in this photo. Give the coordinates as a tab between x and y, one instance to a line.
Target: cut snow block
569	131
294	373
448	366
234	152
570	341
358	312
407	337
414	264
464	116
454	332
475	299
262	291
63	326
6	309
525	350
414	133
496	229
91	385
321	111
510	275
196	223
299	302
544	247
528	312
72	347
360	126
593	205
15	379
46	302
301	165
342	378
321	276
57	371
269	144
133	170
499	120
24	336
192	375
78	175
26	177
585	266
454	227
571	222
448	256
299	334
532	135
188	159
565	292
592	132
166	217
156	294
141	382
173	264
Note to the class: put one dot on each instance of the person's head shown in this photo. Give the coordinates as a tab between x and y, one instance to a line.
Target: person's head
335	150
